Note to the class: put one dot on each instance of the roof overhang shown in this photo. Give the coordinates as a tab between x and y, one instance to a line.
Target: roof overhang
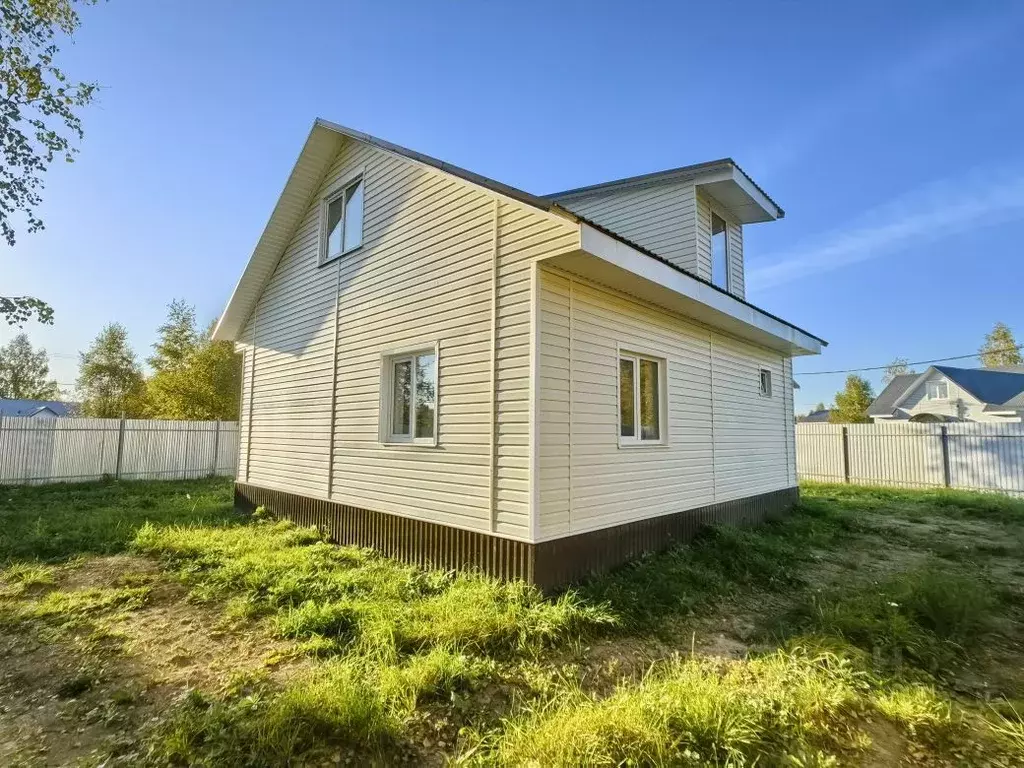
321	146
722	180
732	189
612	262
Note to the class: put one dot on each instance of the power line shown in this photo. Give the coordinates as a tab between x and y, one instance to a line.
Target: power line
916	362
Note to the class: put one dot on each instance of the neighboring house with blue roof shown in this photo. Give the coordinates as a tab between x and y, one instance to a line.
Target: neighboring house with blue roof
944	393
37	409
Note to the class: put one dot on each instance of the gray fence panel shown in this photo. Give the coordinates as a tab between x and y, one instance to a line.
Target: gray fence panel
36	451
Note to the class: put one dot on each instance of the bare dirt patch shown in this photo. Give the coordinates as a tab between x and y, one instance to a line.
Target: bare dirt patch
71	692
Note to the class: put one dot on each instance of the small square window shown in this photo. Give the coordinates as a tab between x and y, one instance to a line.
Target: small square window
641	415
766	383
343	222
410	400
937	390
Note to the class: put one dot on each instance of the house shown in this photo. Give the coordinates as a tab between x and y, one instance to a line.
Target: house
37	409
944	393
453	370
815	417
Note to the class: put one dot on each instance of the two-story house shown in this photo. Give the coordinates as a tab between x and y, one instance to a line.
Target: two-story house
458	372
945	393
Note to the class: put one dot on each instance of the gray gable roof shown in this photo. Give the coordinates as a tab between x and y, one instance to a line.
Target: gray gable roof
884	404
992	386
989	385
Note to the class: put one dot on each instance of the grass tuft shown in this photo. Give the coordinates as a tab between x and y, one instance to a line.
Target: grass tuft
313	589
774	709
928	616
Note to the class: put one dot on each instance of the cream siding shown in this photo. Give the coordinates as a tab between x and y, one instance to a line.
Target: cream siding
659	217
751	432
734	240
422	276
724	441
672	220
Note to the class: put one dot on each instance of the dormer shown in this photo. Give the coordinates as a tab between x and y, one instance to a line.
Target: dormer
692	217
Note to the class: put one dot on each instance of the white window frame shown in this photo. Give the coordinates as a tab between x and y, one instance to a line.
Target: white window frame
637	441
936	383
342	193
764	377
728	255
387	366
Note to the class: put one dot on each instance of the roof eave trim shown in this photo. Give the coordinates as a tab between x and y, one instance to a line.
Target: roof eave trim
621	252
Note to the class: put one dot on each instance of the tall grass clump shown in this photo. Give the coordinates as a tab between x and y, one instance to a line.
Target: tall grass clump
330	705
312	589
779	709
928	616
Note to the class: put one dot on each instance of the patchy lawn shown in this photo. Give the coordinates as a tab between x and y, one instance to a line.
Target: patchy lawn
144	623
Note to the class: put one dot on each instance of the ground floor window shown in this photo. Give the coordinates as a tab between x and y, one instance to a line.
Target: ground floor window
641	410
410	397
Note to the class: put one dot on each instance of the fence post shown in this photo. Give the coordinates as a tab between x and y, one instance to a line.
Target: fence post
216	449
846	455
945	457
120	449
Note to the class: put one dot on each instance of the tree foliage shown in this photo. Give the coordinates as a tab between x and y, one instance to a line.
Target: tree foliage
110	381
38	119
898	367
178	337
194	377
25	372
852	402
1000	348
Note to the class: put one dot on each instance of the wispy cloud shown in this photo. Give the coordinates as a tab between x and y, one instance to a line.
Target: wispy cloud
942	209
938	53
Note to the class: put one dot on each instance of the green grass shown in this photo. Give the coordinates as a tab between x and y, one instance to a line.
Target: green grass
356	598
929	616
55	522
721	562
778	709
866	605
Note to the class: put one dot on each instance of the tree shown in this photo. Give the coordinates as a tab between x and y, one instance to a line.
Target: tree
852	402
818	408
24	372
203	381
1000	348
178	337
898	367
110	382
38	104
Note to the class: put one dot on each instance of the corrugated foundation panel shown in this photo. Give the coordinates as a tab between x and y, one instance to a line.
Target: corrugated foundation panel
549	565
417	542
563	561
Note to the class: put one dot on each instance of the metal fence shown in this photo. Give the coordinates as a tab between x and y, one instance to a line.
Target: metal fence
36	451
973	456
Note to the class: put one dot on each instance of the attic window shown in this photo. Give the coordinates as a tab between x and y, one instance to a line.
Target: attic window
766	383
937	390
719	252
343	222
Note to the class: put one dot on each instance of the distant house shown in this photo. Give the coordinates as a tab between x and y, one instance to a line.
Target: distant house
944	393
815	417
37	409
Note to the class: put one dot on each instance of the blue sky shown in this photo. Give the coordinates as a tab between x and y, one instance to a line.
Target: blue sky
890	133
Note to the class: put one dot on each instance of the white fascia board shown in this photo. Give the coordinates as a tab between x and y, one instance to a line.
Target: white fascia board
729	312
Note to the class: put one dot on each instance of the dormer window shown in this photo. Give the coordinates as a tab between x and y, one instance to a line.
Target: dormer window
936	390
719	252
